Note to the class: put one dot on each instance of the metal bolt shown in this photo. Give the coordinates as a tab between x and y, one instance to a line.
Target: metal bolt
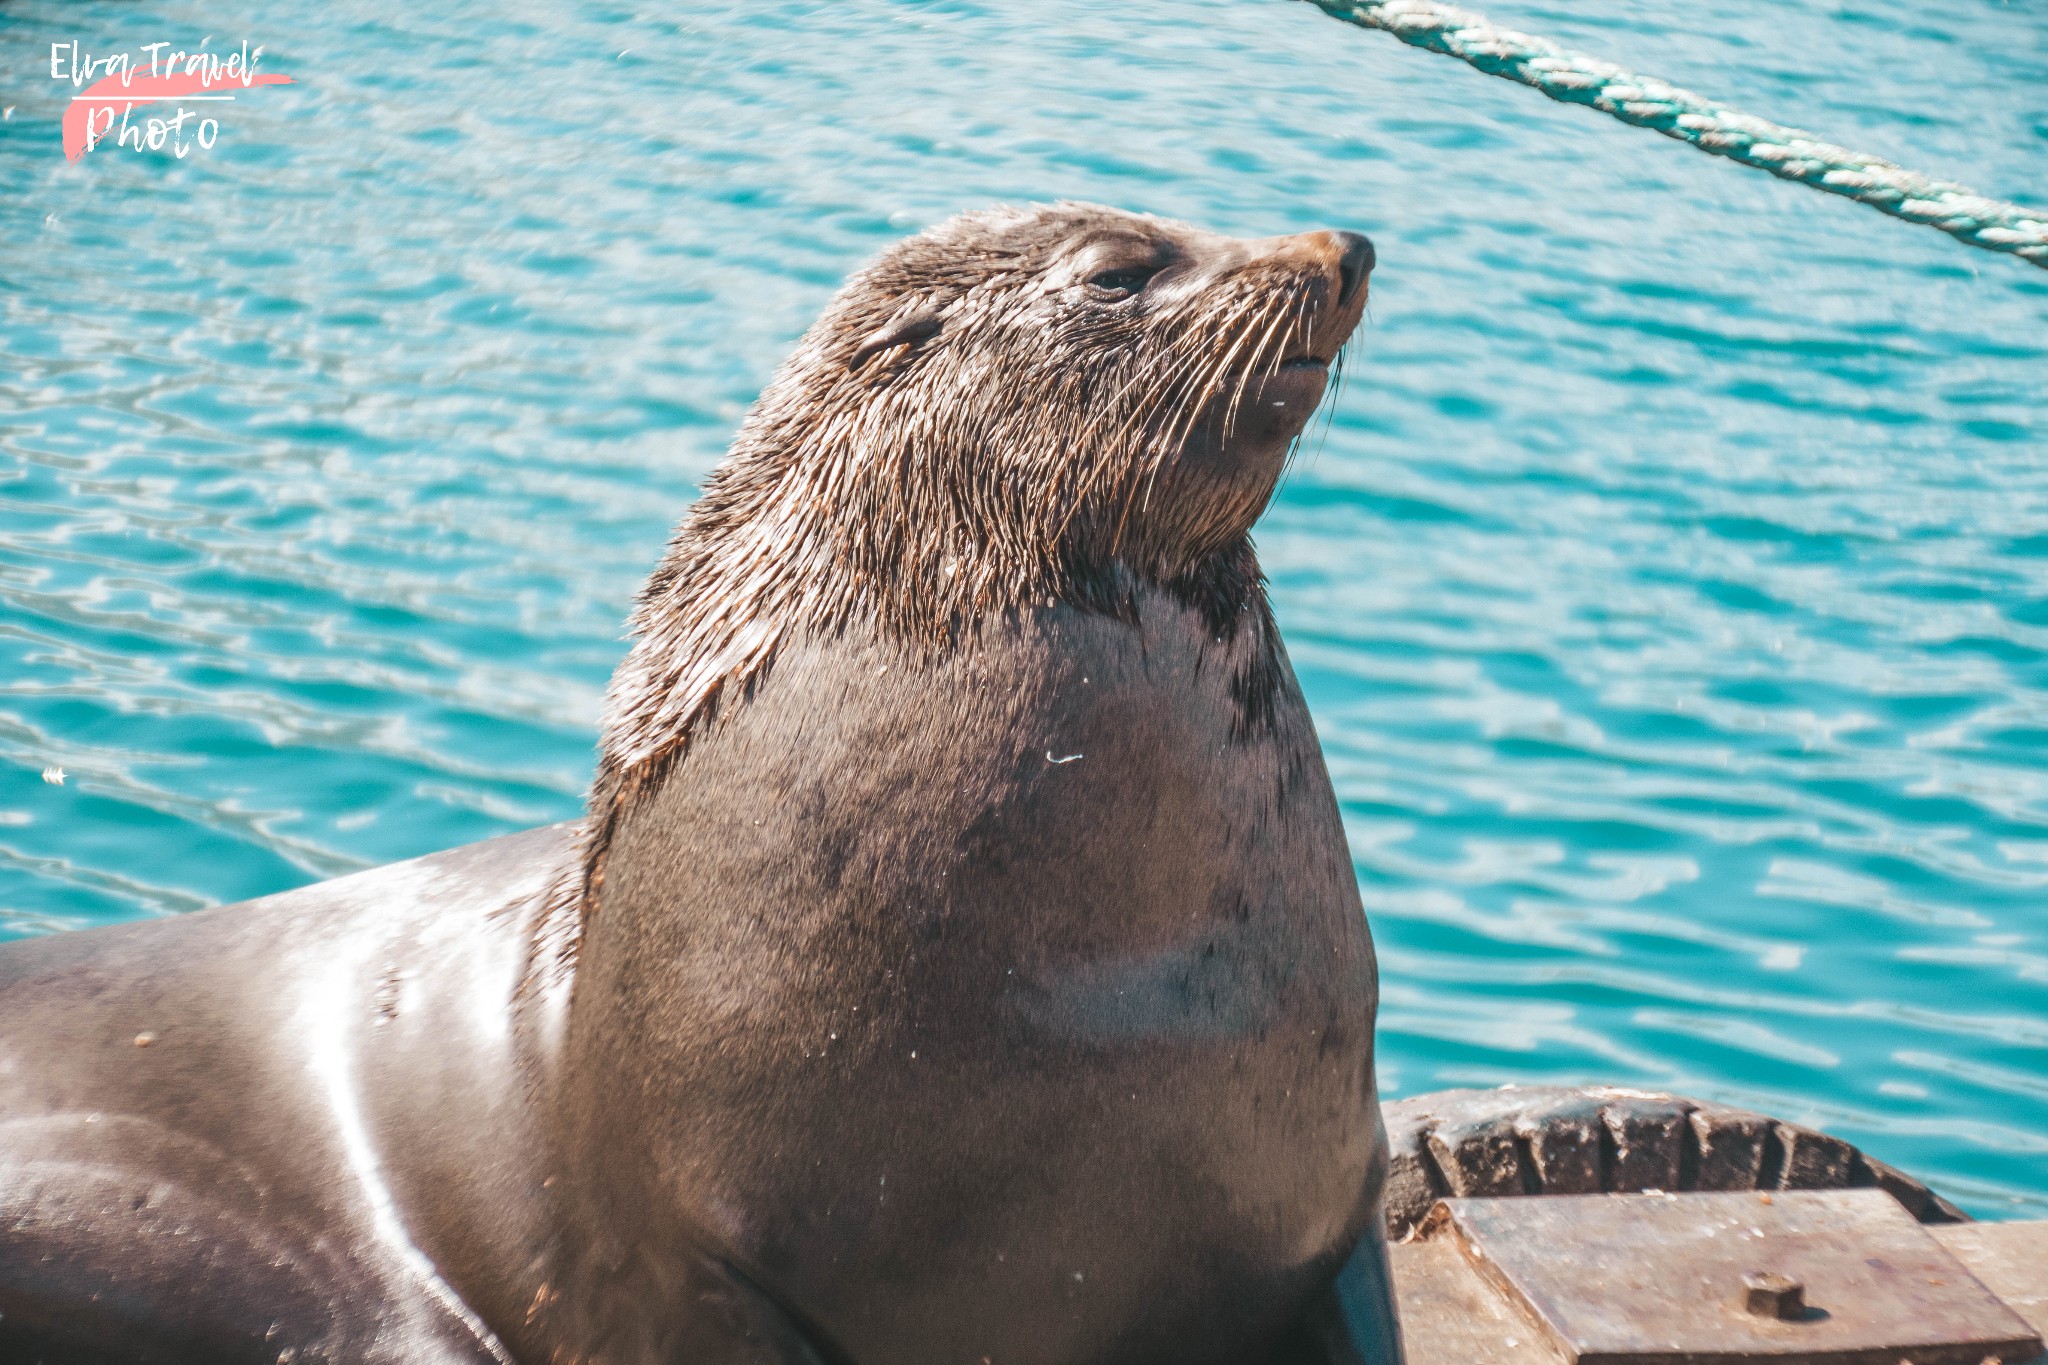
1771	1295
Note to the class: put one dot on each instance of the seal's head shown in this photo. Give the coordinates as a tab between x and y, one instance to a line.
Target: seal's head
1014	409
1027	395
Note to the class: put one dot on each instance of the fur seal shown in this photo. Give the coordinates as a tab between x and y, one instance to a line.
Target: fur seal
960	961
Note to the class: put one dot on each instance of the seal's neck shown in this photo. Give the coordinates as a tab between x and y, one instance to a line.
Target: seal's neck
729	597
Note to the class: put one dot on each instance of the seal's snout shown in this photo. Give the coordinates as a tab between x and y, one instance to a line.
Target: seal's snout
1339	264
1353	265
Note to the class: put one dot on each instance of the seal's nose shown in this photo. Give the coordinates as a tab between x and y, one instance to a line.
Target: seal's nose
1355	265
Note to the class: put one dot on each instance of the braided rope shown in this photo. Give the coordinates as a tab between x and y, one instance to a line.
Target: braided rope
1788	153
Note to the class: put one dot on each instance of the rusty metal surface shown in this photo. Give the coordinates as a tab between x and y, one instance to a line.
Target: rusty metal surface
1450	1316
2009	1259
1659	1279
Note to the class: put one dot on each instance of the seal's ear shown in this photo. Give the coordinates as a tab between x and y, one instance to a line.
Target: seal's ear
912	330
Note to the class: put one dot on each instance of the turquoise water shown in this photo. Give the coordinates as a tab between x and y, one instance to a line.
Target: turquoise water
1671	588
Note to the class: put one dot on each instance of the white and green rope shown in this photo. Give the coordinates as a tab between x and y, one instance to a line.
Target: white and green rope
1788	153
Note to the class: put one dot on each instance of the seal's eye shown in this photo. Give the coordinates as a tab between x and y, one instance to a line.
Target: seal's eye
1122	282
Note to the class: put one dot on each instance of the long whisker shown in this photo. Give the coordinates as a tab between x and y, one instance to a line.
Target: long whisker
1169	383
1200	382
1253	369
1175	362
1245	328
1194	398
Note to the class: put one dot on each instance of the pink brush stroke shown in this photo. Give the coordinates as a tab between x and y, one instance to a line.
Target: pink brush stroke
112	95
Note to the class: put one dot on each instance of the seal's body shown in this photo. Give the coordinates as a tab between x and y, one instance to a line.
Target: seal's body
1138	1126
961	960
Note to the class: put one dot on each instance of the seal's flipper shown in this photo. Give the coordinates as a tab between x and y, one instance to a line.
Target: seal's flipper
1354	1321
